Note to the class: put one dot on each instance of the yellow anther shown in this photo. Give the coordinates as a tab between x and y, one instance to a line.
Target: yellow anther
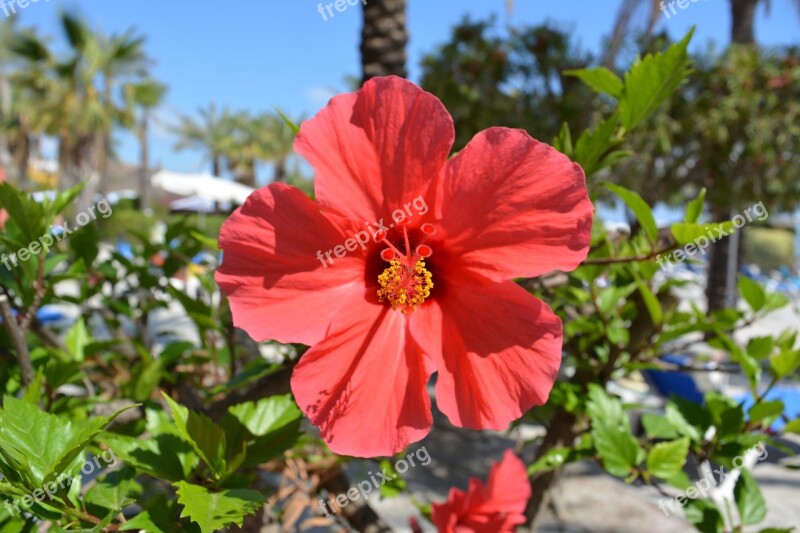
405	288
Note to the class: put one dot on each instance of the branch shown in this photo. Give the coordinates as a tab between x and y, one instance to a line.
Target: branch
358	514
47	336
18	337
38	296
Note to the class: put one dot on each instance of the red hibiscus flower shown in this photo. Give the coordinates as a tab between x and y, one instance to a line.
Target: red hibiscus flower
3	212
401	267
497	507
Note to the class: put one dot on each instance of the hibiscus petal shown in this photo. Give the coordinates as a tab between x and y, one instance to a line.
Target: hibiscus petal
364	385
497	349
445	515
3	212
514	207
270	269
507	490
378	149
496	507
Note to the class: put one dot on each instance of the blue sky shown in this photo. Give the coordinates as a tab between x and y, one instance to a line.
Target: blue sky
257	54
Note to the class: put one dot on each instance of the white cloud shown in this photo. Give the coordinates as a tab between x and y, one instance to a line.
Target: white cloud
320	95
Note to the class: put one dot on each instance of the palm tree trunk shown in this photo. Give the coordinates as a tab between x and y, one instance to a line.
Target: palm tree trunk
5	105
742	32
144	164
104	142
216	165
36	147
247	174
280	171
743	14
383	39
102	162
84	170
64	165
21	153
718	267
22	158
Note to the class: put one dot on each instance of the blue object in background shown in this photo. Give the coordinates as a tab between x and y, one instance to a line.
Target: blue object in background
125	249
49	314
790	396
45	315
675	382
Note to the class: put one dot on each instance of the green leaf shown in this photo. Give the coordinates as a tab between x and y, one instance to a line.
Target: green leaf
658	427
767	411
207	438
680	481
34	391
60	372
750	365
618	332
207	241
650	301
216	510
165	456
64	199
793	426
666	459
685	233
614	157
113	492
563	142
26	213
51	443
785	363
558	457
688	418
593	144
77	339
268	415
749	500
396	485
267	428
730	422
600	79
294	127
552	459
148	373
760	347
611	432
704	516
639	207
787	339
16	468
775	300
158	516
651	81
752	292
610	297
694	209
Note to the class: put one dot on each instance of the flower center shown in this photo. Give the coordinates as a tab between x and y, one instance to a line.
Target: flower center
404	288
405	284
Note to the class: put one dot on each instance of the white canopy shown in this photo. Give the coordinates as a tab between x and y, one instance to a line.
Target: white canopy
198	204
203	186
